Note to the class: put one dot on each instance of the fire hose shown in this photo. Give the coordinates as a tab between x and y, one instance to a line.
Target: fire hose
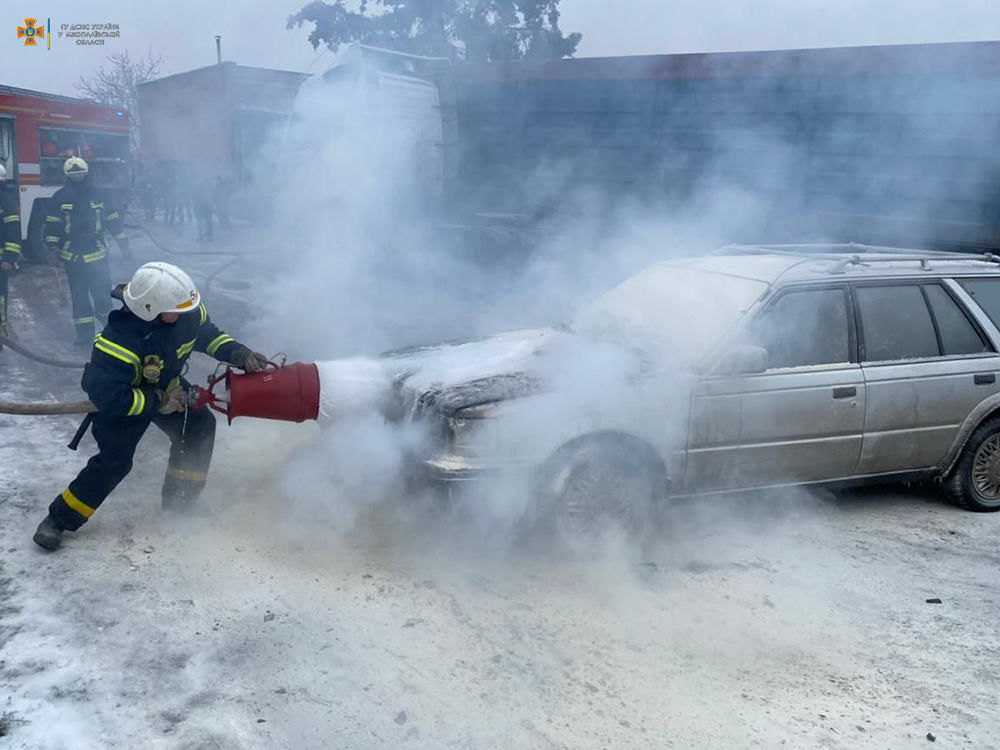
285	392
44	408
21	349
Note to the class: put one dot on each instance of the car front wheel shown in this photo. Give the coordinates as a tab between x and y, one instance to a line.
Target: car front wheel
974	484
603	488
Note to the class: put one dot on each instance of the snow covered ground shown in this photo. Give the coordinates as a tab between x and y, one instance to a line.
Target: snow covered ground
794	621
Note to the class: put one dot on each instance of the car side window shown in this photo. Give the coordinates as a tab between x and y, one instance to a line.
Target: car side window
895	323
986	293
958	335
802	328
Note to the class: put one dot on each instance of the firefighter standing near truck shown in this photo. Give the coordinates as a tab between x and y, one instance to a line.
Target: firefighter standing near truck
134	378
79	215
10	243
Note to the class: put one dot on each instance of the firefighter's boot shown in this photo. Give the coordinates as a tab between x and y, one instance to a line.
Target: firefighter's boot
49	534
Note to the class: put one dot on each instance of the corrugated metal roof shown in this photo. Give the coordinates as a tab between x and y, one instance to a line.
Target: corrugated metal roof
975	58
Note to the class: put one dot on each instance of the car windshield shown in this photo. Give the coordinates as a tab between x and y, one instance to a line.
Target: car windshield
673	311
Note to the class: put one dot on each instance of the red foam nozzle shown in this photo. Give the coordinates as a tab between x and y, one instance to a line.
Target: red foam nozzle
288	394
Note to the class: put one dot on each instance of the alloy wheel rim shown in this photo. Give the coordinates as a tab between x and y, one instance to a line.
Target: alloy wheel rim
986	470
597	498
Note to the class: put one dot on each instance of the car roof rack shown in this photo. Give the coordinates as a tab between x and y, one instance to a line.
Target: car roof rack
857	254
827	248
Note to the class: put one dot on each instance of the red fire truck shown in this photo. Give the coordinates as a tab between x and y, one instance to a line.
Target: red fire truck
38	132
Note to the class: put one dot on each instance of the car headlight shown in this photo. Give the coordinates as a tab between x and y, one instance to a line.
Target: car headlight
474	427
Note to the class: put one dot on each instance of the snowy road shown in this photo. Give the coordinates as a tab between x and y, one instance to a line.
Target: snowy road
785	621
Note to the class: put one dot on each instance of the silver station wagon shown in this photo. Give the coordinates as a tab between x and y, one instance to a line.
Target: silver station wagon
750	368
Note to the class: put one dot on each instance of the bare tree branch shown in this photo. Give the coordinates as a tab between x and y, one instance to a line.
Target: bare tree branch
118	85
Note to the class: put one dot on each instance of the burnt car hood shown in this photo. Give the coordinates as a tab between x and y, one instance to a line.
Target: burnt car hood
453	376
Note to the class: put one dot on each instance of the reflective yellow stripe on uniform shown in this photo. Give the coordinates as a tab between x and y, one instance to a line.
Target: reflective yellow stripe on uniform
204	315
120	352
53	220
218	341
12	247
186	349
11	218
77	504
138	403
66	206
187	475
92	257
112	216
52	239
83	320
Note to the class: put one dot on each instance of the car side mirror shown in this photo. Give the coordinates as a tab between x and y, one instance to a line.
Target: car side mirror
742	360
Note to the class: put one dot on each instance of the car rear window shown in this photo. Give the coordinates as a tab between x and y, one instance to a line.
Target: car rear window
958	335
986	293
896	323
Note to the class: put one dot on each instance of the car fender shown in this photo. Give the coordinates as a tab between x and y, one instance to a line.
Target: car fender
976	417
537	428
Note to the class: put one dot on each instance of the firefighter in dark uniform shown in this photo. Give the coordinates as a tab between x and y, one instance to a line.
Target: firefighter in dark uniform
134	379
10	243
79	215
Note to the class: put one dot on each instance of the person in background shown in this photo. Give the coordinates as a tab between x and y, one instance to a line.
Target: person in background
147	188
222	201
10	243
74	232
175	196
202	197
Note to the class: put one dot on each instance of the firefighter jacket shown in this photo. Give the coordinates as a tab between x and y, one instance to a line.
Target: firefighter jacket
10	228
132	359
79	215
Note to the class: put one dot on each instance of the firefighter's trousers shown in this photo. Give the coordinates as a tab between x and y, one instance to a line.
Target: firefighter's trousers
89	281
191	447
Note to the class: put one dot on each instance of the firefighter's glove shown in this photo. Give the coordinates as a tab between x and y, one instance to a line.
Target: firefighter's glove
248	360
172	400
125	247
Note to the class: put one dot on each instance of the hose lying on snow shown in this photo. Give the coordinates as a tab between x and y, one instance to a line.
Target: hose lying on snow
21	349
206	287
45	408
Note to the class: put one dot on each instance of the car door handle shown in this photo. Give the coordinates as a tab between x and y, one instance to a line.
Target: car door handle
987	378
845	391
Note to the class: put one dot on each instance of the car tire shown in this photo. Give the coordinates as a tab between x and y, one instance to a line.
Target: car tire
974	483
598	488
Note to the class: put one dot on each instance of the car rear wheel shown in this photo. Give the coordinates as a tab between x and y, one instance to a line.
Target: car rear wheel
600	489
974	484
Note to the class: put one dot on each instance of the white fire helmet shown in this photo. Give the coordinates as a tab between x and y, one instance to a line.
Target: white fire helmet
75	168
3	173
160	288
